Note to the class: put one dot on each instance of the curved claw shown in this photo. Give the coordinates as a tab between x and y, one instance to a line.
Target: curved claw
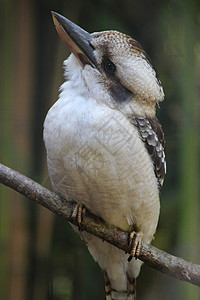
135	240
78	213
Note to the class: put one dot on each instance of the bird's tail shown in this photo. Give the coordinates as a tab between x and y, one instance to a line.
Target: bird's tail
129	294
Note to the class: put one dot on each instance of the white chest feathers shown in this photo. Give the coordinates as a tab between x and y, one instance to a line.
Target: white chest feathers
96	157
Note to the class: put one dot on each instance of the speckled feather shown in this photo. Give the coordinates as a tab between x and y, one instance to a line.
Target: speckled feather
125	41
151	133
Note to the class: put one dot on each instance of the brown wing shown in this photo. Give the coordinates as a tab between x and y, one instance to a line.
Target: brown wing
152	135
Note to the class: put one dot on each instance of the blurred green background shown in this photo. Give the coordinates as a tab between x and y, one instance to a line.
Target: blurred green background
40	255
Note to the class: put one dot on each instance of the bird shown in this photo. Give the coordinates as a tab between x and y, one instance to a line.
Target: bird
105	146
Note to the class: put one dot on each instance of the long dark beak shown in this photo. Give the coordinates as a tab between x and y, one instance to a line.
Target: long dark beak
76	39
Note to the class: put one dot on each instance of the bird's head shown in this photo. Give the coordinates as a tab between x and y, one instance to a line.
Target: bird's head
117	64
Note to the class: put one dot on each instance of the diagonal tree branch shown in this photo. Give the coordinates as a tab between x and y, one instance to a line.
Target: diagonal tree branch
158	259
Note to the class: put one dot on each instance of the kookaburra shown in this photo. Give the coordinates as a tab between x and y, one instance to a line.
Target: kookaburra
105	146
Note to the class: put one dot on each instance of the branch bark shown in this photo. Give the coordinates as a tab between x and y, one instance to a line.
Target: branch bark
158	259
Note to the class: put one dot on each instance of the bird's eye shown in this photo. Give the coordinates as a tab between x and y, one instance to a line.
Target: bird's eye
109	67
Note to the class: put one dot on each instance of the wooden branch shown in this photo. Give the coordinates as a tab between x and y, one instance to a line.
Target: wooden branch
160	260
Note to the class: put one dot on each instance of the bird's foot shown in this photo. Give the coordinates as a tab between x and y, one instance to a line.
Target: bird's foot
78	213
135	242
